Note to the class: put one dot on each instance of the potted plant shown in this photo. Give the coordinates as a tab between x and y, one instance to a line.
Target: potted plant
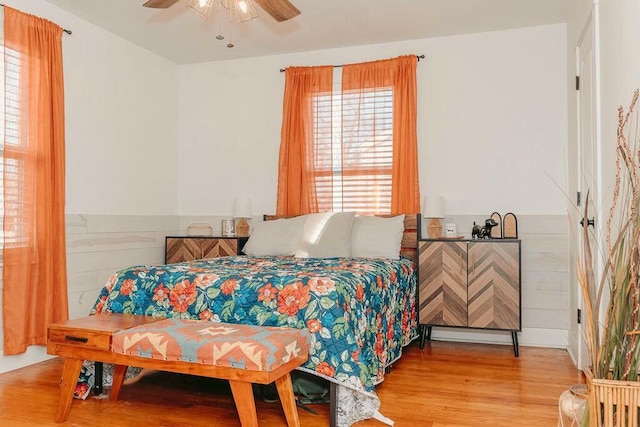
614	342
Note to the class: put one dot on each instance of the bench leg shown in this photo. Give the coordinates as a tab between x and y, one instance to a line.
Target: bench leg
119	372
70	375
245	404
285	391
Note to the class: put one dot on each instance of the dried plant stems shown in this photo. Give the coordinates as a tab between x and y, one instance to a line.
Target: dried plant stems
614	351
587	283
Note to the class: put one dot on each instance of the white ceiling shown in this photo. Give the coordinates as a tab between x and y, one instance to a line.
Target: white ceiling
185	38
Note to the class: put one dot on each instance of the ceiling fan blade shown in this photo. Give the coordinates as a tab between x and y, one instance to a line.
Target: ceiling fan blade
160	4
280	10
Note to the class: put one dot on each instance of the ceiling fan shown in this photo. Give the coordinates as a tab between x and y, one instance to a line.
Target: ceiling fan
280	10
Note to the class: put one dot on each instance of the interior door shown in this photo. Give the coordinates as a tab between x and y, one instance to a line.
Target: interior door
588	174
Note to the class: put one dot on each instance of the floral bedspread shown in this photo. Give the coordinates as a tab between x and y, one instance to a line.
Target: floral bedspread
360	312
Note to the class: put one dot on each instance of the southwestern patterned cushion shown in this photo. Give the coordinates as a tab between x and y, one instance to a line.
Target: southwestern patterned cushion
256	348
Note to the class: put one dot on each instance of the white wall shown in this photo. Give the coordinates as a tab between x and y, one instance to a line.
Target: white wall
494	121
491	126
121	120
121	147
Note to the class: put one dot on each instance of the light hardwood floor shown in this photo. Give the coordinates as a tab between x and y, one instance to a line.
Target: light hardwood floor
445	384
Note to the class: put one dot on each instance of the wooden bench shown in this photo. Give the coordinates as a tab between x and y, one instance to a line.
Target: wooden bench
241	354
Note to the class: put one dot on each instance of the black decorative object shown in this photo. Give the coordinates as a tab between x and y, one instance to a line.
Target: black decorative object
485	231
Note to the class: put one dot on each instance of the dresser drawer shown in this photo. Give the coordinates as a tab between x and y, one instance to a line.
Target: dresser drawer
79	337
94	331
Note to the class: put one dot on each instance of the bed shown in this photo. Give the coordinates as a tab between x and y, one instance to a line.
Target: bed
360	311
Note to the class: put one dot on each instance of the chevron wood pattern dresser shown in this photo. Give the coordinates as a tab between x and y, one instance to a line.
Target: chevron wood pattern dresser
182	248
470	284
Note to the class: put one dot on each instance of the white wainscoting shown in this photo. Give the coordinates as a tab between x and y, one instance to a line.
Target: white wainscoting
99	245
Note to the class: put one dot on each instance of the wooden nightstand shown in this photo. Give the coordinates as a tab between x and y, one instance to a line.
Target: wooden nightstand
191	248
469	284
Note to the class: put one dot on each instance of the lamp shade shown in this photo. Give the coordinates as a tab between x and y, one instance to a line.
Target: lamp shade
241	10
242	208
201	8
433	207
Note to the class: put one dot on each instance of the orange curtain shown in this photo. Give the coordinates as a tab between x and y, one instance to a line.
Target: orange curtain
296	185
400	75
34	273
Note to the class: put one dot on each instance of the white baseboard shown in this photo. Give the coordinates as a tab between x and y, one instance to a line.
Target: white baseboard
34	354
534	337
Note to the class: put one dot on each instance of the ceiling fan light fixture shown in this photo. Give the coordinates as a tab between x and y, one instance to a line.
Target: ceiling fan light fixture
229	4
238	15
241	10
202	8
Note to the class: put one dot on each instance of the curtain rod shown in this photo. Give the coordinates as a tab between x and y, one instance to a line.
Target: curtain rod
340	66
64	29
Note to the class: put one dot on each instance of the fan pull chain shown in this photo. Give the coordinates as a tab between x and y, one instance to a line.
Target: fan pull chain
220	36
230	44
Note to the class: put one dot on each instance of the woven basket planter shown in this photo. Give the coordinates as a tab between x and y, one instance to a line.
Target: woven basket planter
612	403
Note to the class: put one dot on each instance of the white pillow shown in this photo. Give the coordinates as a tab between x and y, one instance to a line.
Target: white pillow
375	237
277	237
326	235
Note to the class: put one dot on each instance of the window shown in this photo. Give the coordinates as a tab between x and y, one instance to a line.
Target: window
353	133
351	145
11	180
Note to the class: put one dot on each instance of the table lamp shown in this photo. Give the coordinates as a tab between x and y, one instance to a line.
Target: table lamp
434	208
242	211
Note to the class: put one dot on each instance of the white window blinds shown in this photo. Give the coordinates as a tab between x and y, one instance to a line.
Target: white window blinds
354	150
13	154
